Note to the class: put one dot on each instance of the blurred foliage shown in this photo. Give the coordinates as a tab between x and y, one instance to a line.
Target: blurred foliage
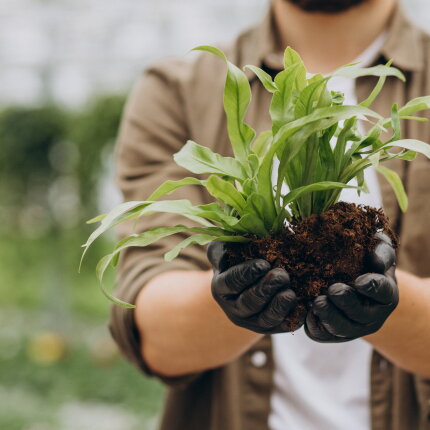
94	131
90	373
56	357
52	160
51	165
27	136
42	273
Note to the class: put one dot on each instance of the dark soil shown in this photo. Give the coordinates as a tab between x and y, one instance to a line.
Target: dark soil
320	250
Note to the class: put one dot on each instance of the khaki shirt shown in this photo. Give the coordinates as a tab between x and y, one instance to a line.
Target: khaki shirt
181	98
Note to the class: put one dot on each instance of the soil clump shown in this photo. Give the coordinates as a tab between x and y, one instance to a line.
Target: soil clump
320	250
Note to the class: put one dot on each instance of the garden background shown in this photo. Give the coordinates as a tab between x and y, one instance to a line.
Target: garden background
66	67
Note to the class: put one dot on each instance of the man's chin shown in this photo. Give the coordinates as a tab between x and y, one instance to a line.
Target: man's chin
326	6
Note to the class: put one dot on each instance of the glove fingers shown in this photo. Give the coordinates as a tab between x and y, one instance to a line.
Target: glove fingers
391	273
317	332
334	321
217	255
234	280
377	287
382	258
256	298
278	309
352	304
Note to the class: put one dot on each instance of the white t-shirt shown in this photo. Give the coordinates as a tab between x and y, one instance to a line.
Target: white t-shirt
325	386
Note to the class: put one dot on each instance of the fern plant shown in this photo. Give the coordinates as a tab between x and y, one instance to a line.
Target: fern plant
315	138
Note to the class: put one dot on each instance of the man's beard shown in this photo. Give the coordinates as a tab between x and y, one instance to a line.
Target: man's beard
326	6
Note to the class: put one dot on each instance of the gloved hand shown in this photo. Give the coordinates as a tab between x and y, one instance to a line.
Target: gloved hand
251	294
348	312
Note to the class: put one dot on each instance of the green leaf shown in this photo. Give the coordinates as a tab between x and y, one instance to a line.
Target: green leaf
256	208
415	118
337	97
371	139
113	218
96	219
136	209
200	239
293	59
411	144
214	212
319	186
395	121
406	155
416	105
249	186
225	192
147	238
180	207
141	240
264	78
169	186
374	159
301	128
320	118
261	143
283	101
237	97
253	165
326	155
413	106
346	134
293	136
309	98
201	160
378	87
294	195
253	225
112	298
396	183
361	183
354	72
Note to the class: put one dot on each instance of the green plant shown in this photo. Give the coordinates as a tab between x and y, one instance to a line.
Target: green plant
306	119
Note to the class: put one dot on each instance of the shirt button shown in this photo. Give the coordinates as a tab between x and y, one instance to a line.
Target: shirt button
383	364
259	358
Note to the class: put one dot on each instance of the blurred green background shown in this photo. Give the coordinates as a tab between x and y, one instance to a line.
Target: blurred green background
59	369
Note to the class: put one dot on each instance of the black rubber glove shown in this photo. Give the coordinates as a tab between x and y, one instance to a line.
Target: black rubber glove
348	312
251	294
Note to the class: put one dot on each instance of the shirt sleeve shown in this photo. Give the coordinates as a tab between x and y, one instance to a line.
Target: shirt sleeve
153	128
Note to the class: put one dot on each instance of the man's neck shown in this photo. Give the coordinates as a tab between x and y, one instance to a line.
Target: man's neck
328	41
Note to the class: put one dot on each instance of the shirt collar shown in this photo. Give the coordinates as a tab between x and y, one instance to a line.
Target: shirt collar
404	44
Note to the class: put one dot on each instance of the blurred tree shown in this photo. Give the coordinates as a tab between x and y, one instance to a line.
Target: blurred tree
51	166
27	136
94	132
52	159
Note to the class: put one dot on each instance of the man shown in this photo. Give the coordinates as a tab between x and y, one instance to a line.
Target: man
226	377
